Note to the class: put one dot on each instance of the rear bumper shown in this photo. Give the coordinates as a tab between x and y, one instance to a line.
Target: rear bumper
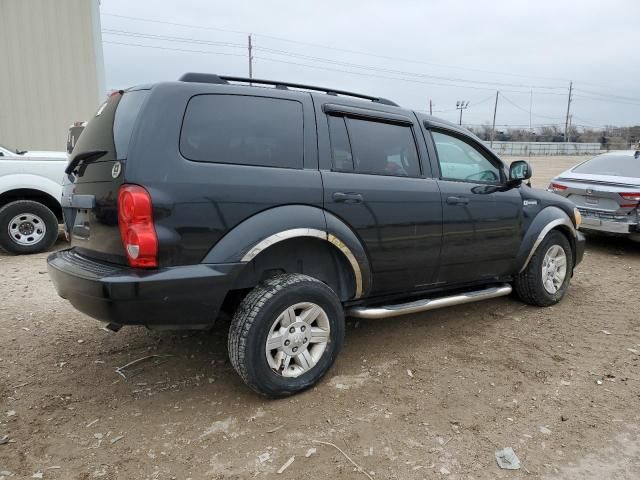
608	226
174	297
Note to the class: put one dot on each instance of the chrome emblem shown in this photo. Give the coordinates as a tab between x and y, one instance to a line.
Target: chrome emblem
589	191
115	171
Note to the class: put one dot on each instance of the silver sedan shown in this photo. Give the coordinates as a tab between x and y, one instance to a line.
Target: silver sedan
606	190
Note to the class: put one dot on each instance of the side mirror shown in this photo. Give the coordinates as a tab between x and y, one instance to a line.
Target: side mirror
519	170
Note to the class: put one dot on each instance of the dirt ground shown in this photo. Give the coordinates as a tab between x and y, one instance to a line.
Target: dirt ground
422	397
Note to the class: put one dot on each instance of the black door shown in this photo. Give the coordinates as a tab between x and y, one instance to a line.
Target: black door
374	182
482	225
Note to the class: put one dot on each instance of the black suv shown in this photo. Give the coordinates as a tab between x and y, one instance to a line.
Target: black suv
290	206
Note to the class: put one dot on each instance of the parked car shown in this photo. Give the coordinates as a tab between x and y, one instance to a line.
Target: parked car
606	190
289	208
30	189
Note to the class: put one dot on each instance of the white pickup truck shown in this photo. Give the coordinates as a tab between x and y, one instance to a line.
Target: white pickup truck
30	190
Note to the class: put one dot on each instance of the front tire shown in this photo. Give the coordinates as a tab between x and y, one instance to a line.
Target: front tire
546	279
286	334
27	227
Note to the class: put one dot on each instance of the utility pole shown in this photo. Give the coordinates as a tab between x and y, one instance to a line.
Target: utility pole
250	57
493	127
530	108
462	105
430	107
566	122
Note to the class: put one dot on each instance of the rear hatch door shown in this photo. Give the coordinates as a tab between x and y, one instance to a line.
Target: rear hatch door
95	172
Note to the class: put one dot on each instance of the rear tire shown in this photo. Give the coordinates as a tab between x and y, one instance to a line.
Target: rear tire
27	227
286	334
538	284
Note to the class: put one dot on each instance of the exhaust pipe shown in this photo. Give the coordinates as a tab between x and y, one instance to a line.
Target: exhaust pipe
429	304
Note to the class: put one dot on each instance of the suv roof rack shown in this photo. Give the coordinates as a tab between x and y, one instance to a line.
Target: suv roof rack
220	79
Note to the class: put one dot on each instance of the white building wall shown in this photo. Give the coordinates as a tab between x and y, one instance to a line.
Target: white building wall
51	70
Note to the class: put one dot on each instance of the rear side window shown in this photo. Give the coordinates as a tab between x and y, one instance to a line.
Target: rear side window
125	118
340	147
614	165
243	130
376	148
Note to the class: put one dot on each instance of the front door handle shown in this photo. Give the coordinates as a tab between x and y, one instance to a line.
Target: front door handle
347	197
457	200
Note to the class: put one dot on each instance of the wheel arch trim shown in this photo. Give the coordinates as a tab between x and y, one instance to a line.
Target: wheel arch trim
315	233
563	221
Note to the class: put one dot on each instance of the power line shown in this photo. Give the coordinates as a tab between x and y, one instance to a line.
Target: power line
620	97
526	110
381	76
169	38
320	59
607	100
317	45
210	52
369	54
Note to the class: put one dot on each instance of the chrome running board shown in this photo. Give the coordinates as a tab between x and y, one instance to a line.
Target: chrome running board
429	304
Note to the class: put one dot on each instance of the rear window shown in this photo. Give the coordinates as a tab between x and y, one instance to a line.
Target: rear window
614	165
125	118
243	130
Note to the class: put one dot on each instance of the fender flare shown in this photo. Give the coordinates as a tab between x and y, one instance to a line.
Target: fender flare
257	233
546	220
33	182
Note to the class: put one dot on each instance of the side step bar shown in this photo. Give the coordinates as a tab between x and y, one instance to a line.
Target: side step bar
429	304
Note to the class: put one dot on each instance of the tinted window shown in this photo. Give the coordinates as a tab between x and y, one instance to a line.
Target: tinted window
383	148
125	117
460	161
340	147
243	130
614	165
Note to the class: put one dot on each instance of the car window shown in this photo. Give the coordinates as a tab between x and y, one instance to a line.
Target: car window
460	161
340	147
614	165
243	130
124	120
375	147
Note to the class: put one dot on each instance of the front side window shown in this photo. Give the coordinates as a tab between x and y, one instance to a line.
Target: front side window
373	147
243	130
460	161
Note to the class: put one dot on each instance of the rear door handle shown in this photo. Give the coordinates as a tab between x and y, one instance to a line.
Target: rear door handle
457	200
347	197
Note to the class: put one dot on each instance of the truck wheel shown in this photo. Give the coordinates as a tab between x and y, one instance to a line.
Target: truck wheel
546	279
286	334
27	227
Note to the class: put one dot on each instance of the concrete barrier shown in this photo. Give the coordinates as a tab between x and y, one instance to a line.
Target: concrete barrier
544	148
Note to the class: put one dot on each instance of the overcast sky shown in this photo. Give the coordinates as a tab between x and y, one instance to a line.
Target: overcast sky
407	50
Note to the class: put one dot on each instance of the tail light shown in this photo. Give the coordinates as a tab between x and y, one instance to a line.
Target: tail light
135	220
556	187
631	196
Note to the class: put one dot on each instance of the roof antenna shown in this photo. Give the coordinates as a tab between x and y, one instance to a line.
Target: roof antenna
637	154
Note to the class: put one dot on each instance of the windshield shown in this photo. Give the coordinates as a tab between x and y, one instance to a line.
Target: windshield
3	147
613	165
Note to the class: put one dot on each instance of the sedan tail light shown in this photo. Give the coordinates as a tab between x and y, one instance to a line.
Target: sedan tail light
135	220
632	196
556	187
